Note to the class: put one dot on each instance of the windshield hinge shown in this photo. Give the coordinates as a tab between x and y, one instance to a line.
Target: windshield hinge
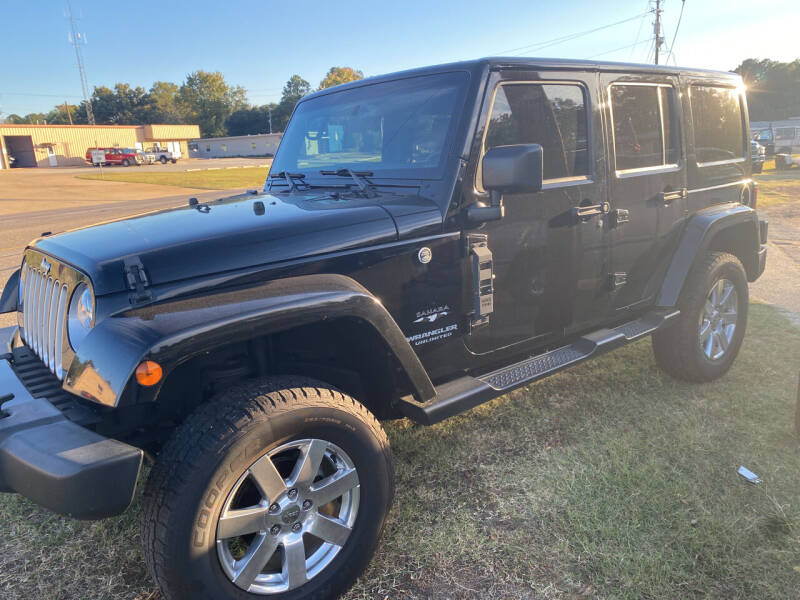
137	281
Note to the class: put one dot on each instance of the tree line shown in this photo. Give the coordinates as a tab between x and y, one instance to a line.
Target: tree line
204	98
773	88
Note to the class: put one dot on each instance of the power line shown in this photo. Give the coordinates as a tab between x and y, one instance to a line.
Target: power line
4	93
639	31
571	36
639	43
677	27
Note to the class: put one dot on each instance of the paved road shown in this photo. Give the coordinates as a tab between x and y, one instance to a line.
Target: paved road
18	230
182	165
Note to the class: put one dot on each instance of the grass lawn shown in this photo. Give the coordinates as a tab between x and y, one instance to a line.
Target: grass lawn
208	179
778	187
610	480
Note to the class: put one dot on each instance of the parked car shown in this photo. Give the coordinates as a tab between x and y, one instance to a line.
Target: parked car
148	158
757	156
116	156
778	137
163	155
426	241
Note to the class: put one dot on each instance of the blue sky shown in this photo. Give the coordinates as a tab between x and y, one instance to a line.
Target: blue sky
260	44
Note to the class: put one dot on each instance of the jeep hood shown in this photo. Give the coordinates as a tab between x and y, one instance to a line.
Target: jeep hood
233	233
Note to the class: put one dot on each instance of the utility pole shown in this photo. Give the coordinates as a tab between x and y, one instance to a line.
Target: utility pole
659	39
76	40
269	110
69	114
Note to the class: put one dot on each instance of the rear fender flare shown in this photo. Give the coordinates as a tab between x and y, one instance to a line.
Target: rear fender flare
172	332
697	239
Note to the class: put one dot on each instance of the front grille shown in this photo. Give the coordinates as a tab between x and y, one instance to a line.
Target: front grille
45	294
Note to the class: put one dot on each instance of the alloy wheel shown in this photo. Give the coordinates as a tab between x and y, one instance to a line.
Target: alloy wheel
288	516
718	319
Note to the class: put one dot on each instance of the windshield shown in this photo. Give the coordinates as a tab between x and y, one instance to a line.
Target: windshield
399	128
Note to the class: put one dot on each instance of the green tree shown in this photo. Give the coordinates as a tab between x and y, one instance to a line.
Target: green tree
162	104
124	105
250	120
339	75
206	99
29	119
295	88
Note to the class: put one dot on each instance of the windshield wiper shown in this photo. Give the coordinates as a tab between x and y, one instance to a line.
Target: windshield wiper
291	179
357	176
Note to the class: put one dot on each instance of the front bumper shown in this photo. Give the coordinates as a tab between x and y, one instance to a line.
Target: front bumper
56	463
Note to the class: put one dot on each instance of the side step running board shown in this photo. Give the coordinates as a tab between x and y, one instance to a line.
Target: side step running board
467	392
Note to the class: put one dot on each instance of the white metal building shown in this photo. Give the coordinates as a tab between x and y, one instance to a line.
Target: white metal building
263	144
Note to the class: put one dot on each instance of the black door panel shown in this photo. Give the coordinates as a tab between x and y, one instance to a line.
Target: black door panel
648	181
550	251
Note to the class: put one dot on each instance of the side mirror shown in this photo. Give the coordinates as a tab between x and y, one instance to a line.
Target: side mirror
507	170
513	169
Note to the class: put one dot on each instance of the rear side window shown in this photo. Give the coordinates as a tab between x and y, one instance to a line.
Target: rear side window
646	132
717	119
551	115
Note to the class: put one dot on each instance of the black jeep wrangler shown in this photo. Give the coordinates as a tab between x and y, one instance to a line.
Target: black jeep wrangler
425	241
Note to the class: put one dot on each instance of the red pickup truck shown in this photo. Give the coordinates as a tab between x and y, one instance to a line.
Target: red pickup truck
116	156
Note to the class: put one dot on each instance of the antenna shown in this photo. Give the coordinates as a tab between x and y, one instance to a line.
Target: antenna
658	38
77	39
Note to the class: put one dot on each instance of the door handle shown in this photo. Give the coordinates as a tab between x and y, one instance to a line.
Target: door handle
668	197
584	213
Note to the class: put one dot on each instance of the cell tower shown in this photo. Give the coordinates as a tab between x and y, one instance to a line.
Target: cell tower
77	40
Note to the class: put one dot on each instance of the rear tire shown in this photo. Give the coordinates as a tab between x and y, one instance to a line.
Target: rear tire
705	339
163	160
248	450
126	162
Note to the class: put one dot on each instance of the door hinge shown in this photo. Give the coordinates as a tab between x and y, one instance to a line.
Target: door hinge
137	281
617	280
482	278
620	216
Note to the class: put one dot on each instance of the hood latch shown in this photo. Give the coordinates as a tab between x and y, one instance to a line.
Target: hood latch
137	280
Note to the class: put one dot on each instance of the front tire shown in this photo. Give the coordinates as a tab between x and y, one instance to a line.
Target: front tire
705	339
163	160
277	488
126	162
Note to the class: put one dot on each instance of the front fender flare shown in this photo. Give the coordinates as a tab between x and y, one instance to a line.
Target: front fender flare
696	240
174	331
8	299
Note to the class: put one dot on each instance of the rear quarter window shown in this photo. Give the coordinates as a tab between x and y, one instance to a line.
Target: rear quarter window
717	120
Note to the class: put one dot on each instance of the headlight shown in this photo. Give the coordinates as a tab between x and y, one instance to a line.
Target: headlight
81	315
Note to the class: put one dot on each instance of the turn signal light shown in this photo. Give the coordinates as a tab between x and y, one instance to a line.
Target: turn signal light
149	373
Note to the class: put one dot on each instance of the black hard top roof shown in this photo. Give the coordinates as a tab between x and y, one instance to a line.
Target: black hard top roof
518	62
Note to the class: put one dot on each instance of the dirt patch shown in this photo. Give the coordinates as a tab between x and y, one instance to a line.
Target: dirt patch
780	282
